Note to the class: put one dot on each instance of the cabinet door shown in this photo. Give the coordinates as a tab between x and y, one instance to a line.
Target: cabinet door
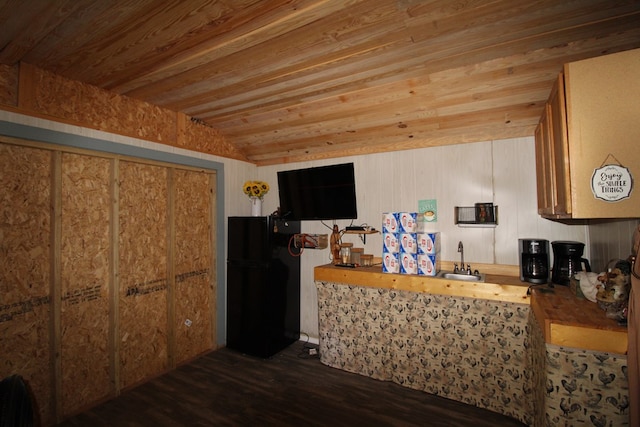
544	171
559	150
591	121
602	97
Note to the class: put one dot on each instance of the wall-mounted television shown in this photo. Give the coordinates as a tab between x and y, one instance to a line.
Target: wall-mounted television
319	193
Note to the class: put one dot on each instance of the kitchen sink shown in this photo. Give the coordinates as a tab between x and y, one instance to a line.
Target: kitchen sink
461	276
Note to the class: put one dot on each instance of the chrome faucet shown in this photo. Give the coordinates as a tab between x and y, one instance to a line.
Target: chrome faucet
462	269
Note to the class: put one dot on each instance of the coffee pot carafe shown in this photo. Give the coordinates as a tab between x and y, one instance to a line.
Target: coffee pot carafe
567	261
534	260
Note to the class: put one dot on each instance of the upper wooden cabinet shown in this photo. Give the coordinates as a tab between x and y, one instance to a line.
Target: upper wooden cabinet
588	140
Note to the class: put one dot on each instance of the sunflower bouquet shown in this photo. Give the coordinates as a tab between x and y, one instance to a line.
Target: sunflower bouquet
255	189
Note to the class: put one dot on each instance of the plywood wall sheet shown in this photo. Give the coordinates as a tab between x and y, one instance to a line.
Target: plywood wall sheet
82	103
9	85
193	264
142	271
195	135
85	264
25	233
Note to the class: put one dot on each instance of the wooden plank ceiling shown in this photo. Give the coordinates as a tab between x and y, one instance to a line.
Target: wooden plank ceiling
292	80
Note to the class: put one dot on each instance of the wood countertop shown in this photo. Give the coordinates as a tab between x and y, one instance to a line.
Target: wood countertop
565	319
496	287
569	321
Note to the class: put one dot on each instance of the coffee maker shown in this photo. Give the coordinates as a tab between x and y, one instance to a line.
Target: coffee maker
567	261
534	260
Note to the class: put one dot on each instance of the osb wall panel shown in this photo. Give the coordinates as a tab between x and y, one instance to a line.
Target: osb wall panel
79	318
84	258
9	85
194	135
96	108
39	92
25	233
193	302
142	247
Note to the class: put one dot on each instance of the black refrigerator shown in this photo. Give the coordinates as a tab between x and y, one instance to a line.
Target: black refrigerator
263	285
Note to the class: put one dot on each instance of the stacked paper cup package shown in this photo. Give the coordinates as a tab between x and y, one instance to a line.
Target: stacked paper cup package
407	250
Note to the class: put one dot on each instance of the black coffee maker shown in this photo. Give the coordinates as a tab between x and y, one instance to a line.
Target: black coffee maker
567	261
534	260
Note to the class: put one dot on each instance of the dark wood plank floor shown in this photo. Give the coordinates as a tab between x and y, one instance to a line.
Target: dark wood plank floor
227	388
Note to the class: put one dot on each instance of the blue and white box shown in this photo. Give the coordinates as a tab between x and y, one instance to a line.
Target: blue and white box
408	263
408	243
407	222
390	243
428	243
390	262
428	265
390	222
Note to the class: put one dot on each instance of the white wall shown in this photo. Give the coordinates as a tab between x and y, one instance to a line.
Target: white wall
610	240
502	172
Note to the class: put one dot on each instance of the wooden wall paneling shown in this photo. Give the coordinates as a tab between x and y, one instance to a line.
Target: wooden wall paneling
27	89
46	93
193	264
85	272
114	277
213	253
105	256
55	284
85	260
193	134
25	269
142	272
298	81
171	265
9	85
42	93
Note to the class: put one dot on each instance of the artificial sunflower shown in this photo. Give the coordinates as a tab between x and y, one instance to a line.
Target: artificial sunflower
255	189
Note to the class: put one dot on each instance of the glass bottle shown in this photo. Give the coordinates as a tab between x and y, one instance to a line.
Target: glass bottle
345	252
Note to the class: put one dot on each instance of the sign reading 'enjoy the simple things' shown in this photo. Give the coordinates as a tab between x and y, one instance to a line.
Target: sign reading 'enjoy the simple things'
611	183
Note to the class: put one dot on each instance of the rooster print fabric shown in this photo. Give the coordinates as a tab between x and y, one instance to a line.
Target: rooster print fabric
489	354
586	388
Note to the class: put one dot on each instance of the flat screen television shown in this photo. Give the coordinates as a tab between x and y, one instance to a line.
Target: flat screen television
319	193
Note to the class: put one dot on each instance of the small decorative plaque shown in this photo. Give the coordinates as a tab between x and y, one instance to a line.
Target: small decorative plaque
611	183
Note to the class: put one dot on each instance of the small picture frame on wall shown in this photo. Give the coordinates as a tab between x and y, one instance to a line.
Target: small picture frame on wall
484	212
